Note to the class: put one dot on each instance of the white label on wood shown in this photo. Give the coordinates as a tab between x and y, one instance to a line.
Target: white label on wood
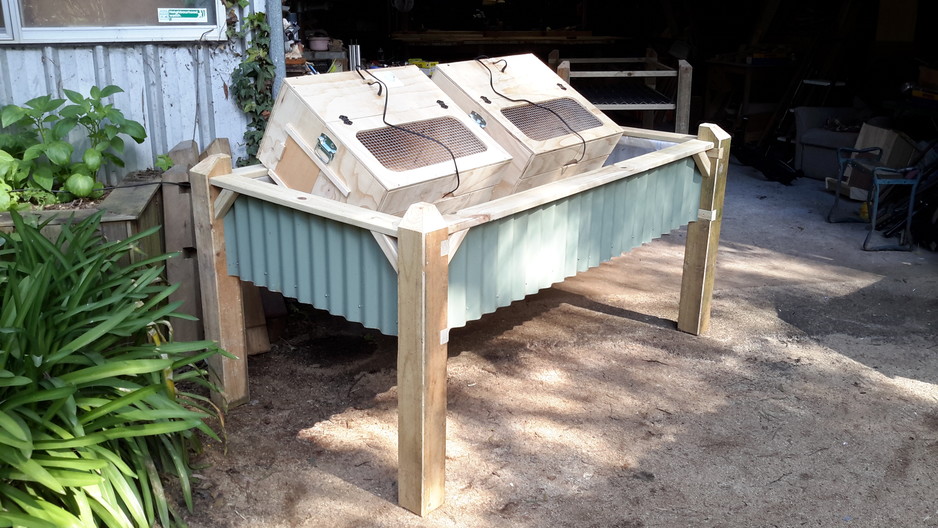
444	336
388	77
704	214
444	248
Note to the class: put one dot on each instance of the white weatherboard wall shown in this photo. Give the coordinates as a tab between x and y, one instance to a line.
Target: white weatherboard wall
177	91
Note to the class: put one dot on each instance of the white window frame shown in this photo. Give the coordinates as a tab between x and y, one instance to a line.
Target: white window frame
7	33
17	34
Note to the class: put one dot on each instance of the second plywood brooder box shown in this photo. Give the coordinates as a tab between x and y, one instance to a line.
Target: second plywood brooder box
328	136
561	134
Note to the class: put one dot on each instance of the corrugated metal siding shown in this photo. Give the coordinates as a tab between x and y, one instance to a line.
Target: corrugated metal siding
330	265
341	269
502	261
177	91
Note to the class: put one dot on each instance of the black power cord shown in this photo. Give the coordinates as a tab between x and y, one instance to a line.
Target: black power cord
111	188
384	114
562	120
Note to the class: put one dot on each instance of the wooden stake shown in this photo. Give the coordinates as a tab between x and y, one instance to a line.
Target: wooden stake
703	237
179	235
222	309
682	97
421	360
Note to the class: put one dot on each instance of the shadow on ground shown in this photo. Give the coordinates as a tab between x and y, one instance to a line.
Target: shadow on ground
811	402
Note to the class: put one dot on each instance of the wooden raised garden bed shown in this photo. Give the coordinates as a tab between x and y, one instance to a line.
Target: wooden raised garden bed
419	275
134	206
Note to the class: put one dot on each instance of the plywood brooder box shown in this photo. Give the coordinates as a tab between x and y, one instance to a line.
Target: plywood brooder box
327	136
561	135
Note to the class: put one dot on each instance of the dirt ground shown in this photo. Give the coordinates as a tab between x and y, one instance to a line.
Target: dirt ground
812	401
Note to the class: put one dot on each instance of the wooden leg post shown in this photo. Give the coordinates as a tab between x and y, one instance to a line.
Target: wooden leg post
222	309
703	235
421	361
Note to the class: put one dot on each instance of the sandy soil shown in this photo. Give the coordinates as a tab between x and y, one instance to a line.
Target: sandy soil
812	401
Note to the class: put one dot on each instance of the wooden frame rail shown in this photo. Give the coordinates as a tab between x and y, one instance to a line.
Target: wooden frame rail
653	70
423	244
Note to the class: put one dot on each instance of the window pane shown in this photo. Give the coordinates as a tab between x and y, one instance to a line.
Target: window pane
111	13
3	25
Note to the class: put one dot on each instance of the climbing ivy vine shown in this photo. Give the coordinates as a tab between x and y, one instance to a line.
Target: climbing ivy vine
253	79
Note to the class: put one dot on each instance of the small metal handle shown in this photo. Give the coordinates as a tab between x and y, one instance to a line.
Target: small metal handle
325	149
477	118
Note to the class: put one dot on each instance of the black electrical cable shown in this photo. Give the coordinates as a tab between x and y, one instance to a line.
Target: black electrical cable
387	96
522	100
111	188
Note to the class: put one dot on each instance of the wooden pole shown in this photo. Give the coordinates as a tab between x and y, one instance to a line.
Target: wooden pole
703	235
222	309
179	235
682	97
563	71
421	361
651	63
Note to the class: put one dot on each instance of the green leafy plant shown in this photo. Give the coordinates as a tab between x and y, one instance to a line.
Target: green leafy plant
37	162
164	162
231	15
92	426
252	83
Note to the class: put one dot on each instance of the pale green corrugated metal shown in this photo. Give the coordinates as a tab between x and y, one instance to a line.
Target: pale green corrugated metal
341	269
502	261
330	265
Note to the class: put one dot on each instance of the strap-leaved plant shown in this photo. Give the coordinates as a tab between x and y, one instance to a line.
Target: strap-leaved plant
93	425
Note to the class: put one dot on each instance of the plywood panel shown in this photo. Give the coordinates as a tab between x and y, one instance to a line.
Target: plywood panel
493	88
311	112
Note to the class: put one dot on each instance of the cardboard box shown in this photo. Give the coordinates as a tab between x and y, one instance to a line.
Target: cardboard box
898	151
928	77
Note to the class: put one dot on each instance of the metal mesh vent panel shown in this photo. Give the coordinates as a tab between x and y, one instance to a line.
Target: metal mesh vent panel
401	151
540	124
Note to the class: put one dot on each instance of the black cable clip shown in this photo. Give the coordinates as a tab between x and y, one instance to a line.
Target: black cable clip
369	83
442	104
562	87
486	100
345	119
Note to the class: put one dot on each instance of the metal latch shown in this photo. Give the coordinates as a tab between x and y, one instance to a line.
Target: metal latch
477	118
325	148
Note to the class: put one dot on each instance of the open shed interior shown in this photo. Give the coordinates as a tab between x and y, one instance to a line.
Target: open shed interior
749	58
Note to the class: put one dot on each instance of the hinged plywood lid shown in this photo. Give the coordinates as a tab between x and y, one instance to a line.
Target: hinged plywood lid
503	89
356	95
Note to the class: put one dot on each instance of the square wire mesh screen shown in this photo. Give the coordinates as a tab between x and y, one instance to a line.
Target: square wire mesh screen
541	124
401	151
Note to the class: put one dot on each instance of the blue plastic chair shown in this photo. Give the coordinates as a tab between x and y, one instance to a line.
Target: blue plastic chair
864	160
869	161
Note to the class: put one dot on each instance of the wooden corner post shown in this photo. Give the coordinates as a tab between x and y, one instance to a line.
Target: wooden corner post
421	358
222	309
703	235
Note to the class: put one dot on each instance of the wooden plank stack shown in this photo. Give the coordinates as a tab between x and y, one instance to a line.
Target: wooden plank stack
562	134
328	135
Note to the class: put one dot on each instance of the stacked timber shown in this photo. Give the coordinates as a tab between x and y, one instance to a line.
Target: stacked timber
379	139
550	130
